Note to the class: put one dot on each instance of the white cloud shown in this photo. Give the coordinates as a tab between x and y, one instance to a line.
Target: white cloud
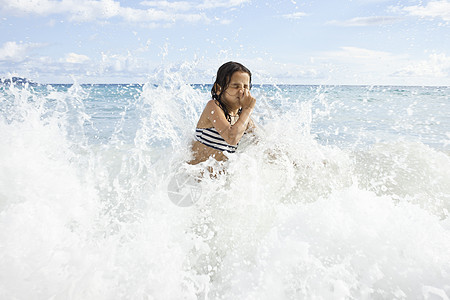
365	66
437	65
355	53
211	4
366	21
74	58
166	5
184	5
296	15
358	65
84	10
371	1
121	63
152	15
192	5
434	9
93	10
14	52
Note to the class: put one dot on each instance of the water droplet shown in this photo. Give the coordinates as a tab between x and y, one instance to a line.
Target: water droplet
212	112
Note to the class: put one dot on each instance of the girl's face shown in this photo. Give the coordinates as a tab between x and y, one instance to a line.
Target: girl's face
238	83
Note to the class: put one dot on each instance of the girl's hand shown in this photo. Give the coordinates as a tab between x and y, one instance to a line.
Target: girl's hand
246	100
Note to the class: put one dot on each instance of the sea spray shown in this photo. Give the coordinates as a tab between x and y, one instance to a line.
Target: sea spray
407	171
74	222
323	201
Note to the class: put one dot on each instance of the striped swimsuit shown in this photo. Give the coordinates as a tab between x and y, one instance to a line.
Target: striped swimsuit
211	138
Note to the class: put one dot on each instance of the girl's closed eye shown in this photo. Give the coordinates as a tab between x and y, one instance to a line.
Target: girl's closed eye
239	86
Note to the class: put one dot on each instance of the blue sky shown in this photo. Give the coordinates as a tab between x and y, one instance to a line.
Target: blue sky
296	42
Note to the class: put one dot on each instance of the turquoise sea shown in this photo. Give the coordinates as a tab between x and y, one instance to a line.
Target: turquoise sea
342	193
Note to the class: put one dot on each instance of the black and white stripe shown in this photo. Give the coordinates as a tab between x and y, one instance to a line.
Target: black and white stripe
211	138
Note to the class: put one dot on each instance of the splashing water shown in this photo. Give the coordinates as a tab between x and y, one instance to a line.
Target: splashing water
342	194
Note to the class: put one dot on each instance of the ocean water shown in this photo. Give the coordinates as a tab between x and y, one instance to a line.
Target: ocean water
342	193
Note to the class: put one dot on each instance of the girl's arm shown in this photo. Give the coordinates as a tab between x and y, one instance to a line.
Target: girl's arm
251	126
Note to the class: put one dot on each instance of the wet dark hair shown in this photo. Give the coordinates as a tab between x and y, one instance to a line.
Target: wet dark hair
223	80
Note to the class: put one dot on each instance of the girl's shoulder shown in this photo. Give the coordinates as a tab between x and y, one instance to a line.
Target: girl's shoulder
204	121
212	104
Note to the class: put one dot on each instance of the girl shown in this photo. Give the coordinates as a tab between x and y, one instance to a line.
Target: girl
227	116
